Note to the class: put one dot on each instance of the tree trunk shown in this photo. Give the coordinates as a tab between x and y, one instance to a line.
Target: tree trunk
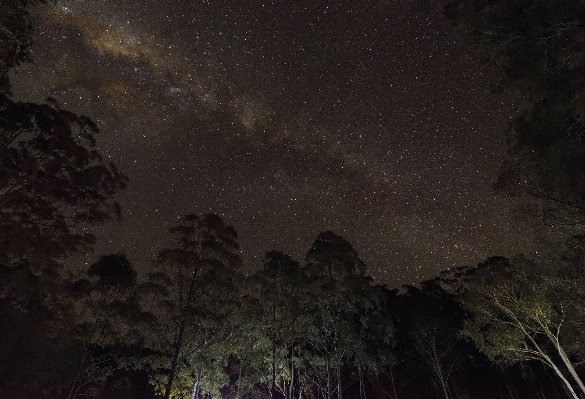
328	378
545	358
511	390
569	387
429	343
174	362
273	379
337	364
339	389
239	380
566	361
362	387
196	385
561	376
299	385
289	393
179	342
441	377
273	336
548	360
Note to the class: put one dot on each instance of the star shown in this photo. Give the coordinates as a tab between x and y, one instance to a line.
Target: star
287	120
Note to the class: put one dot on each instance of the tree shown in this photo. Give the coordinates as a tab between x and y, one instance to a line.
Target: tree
341	303
198	293
538	47
249	365
68	337
51	177
38	344
335	258
15	36
430	320
278	290
516	316
376	332
52	184
110	321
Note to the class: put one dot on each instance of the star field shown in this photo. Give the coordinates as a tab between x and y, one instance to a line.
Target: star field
373	120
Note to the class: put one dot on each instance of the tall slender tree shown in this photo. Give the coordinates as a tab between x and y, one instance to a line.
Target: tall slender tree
279	287
341	301
197	279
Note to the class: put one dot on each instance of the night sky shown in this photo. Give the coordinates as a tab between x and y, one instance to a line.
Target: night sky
371	119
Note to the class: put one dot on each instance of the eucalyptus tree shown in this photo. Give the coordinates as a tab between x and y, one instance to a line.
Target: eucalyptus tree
110	320
274	313
53	184
52	178
376	334
537	47
196	284
518	315
251	359
430	321
16	36
280	293
340	301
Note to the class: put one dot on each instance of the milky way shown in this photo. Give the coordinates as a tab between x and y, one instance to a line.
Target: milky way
373	120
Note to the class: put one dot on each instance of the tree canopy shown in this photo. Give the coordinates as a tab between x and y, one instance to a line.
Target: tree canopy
53	183
538	47
16	30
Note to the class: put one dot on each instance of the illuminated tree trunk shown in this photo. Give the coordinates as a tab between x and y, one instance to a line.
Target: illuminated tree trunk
290	390
543	356
565	359
196	385
562	377
337	358
362	387
328	378
174	362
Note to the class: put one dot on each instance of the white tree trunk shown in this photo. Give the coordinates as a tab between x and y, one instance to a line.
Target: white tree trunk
566	360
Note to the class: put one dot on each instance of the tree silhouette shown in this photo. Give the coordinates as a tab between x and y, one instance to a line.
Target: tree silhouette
15	36
278	292
537	46
109	321
341	303
196	280
430	320
53	184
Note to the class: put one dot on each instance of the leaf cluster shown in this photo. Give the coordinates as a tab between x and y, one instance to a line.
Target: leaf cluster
53	183
538	47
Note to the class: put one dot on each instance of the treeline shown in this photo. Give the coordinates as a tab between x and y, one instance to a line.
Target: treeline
196	327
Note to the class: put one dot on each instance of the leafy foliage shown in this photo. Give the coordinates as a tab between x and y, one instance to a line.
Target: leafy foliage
52	183
109	323
15	36
196	281
518	315
539	47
